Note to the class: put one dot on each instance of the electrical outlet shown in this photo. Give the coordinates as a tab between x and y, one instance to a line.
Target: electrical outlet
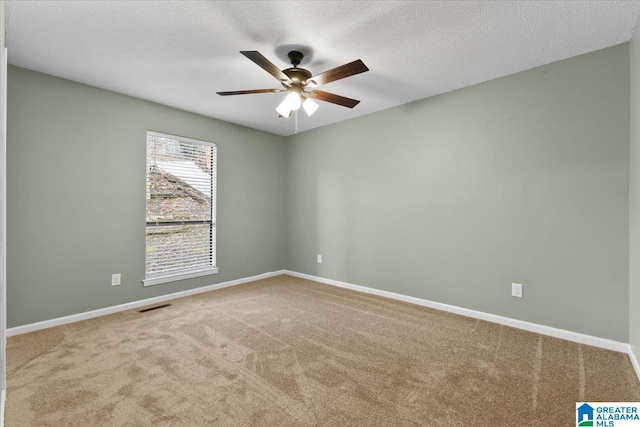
115	279
319	258
516	290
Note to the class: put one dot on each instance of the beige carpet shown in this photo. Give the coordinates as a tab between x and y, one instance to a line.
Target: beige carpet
286	351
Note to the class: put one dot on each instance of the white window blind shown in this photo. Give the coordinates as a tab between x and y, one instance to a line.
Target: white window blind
181	207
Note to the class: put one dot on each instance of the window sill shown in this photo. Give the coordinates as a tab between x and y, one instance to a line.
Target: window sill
181	276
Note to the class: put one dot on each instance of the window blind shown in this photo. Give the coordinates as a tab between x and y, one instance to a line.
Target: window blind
181	200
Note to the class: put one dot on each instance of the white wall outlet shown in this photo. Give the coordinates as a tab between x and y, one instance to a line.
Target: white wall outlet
115	279
319	259
516	290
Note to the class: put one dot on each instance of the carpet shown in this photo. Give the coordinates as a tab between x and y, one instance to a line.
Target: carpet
290	352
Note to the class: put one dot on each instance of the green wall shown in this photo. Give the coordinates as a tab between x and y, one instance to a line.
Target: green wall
634	202
452	198
3	302
76	196
3	4
3	18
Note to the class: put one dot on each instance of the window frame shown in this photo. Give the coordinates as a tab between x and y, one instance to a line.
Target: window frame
213	269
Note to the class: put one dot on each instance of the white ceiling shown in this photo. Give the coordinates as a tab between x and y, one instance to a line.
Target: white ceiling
180	53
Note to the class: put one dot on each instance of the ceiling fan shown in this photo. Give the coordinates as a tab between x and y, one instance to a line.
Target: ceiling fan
297	81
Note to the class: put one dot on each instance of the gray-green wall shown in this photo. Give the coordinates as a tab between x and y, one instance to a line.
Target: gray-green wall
3	302
3	4
452	198
634	202
76	196
522	179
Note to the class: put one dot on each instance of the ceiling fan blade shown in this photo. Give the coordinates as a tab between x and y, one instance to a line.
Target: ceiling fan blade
248	92
341	72
334	99
267	65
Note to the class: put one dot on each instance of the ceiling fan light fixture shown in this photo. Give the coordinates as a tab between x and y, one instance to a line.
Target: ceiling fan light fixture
294	100
310	106
291	102
284	109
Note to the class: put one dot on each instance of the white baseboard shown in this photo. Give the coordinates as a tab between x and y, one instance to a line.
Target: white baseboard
135	304
519	324
634	362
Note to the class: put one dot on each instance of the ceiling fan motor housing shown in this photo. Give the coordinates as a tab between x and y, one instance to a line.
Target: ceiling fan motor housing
297	75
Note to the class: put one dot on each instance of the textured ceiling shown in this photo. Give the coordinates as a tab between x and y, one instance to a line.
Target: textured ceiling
180	53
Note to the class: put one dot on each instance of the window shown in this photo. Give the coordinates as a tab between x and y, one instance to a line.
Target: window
181	208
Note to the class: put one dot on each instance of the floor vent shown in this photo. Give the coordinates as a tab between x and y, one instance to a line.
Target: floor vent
154	308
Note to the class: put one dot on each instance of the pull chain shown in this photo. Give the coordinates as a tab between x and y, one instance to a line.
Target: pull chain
295	117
